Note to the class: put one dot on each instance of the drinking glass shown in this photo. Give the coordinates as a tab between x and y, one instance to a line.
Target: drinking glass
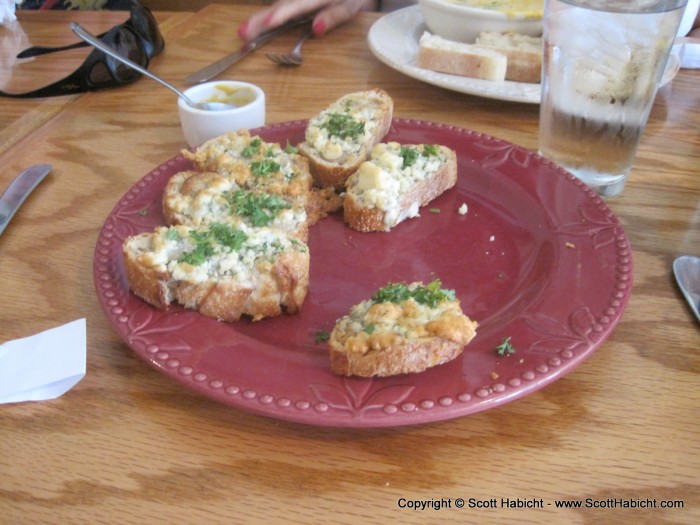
603	60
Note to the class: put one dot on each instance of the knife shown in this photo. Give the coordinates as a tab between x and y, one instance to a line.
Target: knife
18	190
221	65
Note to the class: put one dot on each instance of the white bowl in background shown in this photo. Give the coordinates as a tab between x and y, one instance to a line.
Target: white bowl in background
200	125
455	20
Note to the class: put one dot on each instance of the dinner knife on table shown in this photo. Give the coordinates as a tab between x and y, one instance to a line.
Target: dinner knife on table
223	64
18	190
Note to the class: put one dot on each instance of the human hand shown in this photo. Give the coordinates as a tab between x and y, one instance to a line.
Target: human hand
329	14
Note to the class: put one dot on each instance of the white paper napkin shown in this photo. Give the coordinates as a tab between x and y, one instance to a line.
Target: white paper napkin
43	366
688	50
13	39
7	10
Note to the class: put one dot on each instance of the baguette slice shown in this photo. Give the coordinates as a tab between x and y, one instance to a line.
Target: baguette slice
221	271
395	183
340	137
524	54
196	198
402	329
457	58
254	163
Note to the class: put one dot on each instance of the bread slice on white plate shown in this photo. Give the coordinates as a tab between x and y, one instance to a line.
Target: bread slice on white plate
524	54
220	270
403	328
339	138
457	58
395	183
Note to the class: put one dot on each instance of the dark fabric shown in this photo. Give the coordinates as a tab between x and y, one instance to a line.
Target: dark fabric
138	38
76	4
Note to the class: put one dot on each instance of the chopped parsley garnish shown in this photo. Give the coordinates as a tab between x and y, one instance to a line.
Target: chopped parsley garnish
431	150
222	234
173	235
505	348
300	246
430	294
227	236
290	149
409	156
260	208
251	149
321	336
264	167
370	328
343	126
201	251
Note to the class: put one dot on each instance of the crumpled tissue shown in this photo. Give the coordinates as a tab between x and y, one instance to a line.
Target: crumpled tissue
7	10
12	40
688	50
43	366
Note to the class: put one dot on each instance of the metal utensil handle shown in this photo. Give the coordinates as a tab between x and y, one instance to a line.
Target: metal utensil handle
94	41
216	68
264	38
18	190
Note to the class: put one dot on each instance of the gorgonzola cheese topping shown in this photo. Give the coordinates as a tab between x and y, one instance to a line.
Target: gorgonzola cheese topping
375	324
249	161
342	130
391	172
218	251
218	198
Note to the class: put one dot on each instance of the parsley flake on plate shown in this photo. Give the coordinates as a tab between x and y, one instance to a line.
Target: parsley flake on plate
505	348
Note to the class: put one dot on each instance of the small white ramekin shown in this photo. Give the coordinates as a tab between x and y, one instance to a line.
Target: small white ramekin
199	125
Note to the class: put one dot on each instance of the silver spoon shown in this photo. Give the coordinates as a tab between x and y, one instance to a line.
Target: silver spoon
96	42
687	272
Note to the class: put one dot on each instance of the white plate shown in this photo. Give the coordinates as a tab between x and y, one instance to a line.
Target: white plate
394	40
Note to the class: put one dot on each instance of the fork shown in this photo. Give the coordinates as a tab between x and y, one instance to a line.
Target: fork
293	58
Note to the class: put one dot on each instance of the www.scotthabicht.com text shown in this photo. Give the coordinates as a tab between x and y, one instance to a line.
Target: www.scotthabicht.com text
537	503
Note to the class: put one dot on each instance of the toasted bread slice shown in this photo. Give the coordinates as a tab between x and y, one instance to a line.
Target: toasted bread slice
457	58
395	183
524	54
195	198
219	270
403	328
254	163
340	137
322	202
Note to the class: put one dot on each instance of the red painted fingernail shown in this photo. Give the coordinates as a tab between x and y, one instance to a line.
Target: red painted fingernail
319	27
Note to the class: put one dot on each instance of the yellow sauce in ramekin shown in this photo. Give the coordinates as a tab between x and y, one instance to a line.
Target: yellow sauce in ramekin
233	96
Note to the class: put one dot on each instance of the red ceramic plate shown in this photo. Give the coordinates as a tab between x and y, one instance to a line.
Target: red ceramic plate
538	258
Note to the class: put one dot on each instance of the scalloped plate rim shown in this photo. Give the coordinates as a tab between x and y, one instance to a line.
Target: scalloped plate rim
449	406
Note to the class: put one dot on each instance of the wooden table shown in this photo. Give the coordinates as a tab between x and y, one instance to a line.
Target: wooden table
128	445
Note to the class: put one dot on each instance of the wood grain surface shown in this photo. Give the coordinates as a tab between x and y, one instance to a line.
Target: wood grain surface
129	446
